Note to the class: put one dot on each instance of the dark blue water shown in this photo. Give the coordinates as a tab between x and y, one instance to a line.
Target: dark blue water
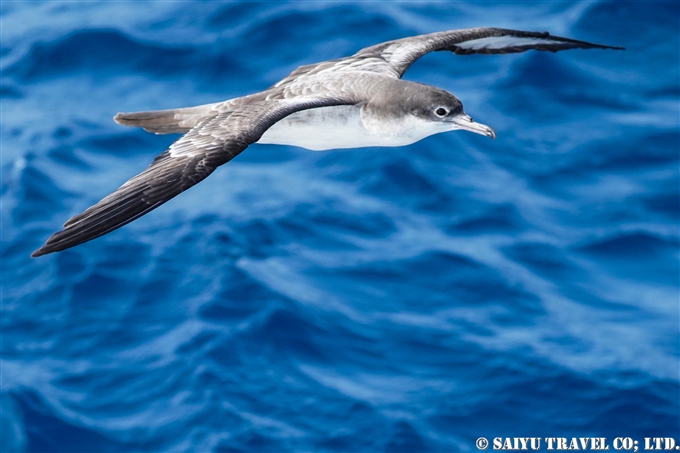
396	299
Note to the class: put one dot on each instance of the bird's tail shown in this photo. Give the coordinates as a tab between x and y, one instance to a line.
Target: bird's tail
173	121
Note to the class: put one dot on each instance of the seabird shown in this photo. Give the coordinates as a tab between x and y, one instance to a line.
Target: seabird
350	102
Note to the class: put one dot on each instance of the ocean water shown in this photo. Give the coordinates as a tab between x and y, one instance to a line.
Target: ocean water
381	299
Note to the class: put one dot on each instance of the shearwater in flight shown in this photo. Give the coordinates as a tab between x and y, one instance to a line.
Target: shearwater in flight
350	102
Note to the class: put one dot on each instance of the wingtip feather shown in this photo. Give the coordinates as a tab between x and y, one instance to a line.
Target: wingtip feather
44	250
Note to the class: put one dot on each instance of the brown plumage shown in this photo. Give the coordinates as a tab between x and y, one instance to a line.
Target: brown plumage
363	92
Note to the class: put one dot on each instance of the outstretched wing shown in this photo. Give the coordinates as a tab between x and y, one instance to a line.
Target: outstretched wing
401	53
188	161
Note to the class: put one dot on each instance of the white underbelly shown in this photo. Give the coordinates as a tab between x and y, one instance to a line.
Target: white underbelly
327	128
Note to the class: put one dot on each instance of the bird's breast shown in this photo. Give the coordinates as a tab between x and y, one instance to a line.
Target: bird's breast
329	128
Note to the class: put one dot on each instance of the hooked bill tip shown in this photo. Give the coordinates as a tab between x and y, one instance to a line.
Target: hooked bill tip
465	122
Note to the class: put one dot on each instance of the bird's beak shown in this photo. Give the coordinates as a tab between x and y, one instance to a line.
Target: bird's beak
464	122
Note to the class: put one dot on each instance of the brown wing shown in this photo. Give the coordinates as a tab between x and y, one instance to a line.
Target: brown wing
187	162
401	53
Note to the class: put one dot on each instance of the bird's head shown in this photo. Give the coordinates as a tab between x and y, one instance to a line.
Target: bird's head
406	112
443	111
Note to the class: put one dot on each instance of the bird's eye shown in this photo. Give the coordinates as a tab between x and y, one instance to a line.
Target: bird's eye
441	111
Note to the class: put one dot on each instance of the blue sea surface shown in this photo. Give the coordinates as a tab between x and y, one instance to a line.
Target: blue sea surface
403	299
